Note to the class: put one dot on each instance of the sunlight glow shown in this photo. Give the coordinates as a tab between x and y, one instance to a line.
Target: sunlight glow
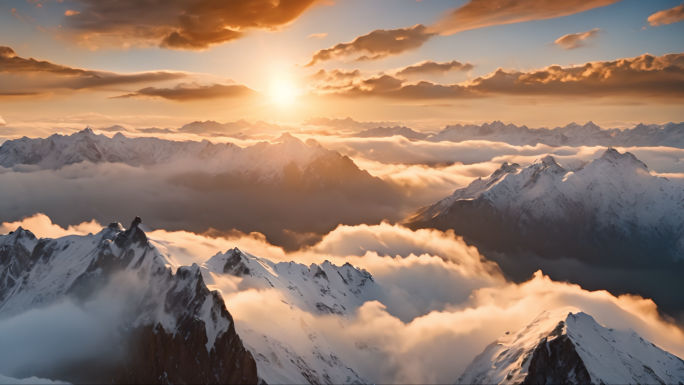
283	93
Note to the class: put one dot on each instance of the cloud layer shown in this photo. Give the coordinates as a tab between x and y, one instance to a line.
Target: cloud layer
644	76
445	301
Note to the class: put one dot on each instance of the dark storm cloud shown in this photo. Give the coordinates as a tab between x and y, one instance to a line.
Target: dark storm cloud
179	24
187	92
432	68
475	14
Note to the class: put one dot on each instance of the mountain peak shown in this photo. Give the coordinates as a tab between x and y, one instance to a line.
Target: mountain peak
549	161
615	156
87	131
133	234
569	346
286	137
20	232
136	222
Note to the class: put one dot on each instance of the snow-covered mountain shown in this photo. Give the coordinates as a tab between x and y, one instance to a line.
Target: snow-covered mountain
569	347
611	215
612	203
320	289
174	329
323	289
573	134
263	162
173	321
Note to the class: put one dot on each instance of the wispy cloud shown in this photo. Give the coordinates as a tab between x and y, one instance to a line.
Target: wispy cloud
576	40
186	92
667	16
379	43
475	14
37	76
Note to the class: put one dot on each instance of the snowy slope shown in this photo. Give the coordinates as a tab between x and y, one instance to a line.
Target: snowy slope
320	289
160	303
567	346
323	289
613	198
573	134
263	161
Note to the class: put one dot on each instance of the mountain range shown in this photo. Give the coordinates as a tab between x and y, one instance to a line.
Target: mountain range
262	162
171	328
573	134
611	214
275	188
285	161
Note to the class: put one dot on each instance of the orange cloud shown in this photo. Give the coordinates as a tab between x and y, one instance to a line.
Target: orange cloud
475	14
52	76
667	16
486	13
576	40
187	92
179	24
431	68
645	76
379	43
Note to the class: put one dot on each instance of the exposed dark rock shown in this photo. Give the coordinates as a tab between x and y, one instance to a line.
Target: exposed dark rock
555	361
146	352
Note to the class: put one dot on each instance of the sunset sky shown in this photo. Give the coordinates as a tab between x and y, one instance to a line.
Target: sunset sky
131	62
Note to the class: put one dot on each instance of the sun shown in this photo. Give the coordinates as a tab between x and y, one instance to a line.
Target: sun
283	93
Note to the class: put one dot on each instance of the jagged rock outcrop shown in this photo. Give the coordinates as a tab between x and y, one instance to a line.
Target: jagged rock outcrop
324	290
172	329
